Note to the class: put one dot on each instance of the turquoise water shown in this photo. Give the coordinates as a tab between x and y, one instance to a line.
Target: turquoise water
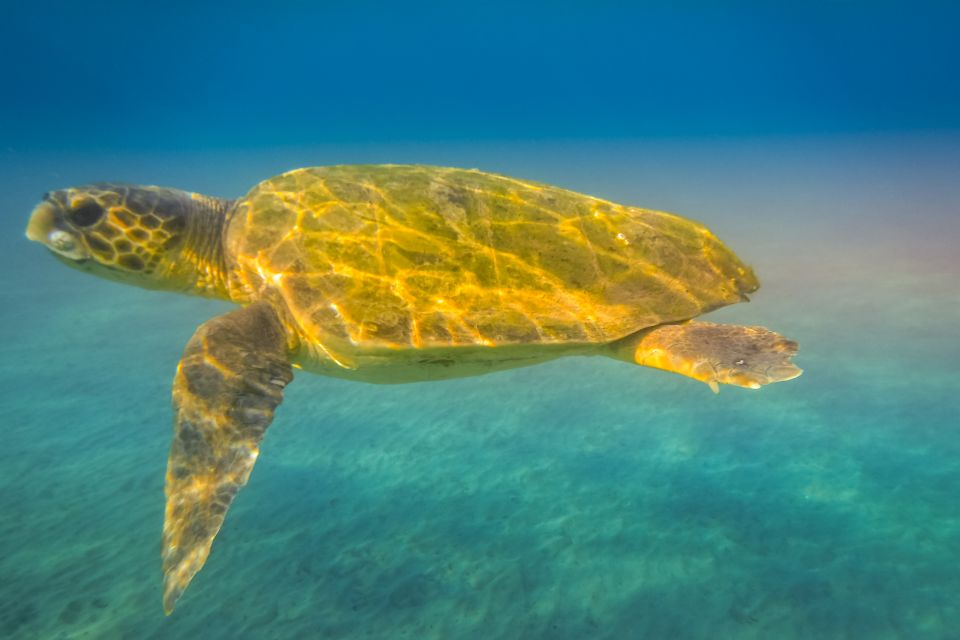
584	498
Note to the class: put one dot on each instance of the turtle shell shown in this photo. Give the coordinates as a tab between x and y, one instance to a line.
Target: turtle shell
415	257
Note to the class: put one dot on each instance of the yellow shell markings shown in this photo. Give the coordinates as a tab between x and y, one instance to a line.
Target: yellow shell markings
394	257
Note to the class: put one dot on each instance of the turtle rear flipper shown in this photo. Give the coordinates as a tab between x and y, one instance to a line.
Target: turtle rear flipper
714	353
229	382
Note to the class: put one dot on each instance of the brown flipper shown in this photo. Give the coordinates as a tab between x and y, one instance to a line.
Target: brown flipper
714	353
228	383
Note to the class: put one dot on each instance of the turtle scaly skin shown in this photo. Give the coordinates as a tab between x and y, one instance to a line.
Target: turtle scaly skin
395	274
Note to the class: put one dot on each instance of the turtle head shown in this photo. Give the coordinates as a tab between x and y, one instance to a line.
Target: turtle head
138	235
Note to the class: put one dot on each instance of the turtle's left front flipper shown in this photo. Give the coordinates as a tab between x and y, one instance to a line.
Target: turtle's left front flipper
229	382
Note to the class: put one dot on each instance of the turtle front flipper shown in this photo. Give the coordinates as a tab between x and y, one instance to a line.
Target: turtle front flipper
228	384
714	353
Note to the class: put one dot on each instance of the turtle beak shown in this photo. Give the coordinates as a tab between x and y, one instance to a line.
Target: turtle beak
42	222
43	228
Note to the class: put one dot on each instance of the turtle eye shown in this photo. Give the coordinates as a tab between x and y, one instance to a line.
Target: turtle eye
87	214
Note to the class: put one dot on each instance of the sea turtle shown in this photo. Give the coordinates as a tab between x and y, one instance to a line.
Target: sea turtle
393	274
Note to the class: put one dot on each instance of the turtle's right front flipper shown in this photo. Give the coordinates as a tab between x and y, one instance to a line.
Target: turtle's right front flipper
229	382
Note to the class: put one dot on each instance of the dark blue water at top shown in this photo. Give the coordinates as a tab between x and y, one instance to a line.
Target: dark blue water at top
110	75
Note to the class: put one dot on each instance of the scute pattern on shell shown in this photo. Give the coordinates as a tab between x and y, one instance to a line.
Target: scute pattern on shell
402	256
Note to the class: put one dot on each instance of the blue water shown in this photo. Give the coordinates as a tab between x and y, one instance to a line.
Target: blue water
583	498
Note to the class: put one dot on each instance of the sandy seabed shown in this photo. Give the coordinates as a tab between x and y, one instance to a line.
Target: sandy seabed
584	498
